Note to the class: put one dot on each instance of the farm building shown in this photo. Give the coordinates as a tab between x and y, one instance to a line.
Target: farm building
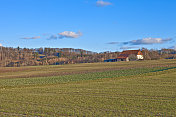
14	63
42	56
128	55
111	60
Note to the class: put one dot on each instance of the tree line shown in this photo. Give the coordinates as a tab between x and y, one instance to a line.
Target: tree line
16	57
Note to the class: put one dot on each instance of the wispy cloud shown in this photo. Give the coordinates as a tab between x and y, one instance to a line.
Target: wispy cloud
46	34
113	43
69	34
127	47
0	44
53	37
148	41
37	37
101	3
173	47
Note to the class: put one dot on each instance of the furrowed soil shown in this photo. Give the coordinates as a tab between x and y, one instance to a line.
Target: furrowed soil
141	88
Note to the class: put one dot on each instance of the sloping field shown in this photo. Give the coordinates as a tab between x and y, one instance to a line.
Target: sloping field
44	71
143	88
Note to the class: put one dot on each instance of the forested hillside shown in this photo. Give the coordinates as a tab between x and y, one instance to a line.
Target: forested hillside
16	57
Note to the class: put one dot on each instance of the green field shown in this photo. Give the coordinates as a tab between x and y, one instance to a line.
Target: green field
140	88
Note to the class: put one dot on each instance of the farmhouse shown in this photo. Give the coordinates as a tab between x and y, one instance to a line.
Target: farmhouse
128	55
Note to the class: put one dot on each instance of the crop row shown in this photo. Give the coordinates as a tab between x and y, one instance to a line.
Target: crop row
77	77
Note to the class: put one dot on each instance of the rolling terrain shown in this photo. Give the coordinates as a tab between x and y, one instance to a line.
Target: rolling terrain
140	88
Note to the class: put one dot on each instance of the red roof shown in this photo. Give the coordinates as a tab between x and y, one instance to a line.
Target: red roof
126	53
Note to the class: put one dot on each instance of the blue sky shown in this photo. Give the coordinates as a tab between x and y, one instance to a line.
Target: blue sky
96	25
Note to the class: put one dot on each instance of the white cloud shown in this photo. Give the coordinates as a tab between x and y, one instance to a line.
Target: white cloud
102	3
69	34
148	41
0	44
37	37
